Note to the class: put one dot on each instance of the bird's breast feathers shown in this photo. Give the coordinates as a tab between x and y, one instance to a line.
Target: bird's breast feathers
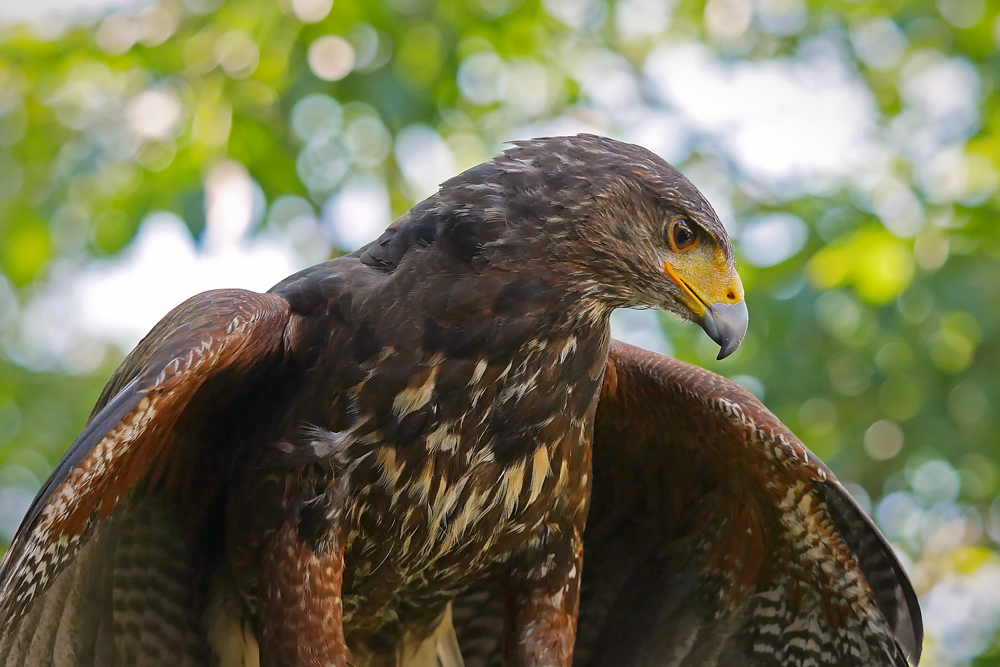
452	464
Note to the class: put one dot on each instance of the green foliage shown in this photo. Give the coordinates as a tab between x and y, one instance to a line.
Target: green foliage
877	339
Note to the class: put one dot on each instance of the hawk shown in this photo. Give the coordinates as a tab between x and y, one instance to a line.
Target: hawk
432	451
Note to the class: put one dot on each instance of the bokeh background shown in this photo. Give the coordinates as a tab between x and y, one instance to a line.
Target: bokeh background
151	150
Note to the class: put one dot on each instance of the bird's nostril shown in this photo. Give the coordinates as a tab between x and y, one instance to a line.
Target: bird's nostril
731	296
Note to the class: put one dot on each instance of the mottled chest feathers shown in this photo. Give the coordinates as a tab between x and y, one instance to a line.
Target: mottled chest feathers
465	455
476	408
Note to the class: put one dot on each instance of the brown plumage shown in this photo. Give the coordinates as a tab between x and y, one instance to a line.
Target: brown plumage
321	474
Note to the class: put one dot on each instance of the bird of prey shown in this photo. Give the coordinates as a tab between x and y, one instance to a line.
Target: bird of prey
431	451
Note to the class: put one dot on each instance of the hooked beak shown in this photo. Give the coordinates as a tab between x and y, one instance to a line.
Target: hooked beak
717	303
726	324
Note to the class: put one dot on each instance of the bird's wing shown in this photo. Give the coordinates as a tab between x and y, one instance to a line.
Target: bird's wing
112	560
715	537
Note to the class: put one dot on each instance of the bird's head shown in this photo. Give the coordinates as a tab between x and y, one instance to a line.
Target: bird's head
627	229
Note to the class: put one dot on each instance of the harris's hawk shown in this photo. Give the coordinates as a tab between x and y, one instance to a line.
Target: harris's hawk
390	458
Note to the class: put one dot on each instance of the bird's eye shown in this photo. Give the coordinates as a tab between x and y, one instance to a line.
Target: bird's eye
683	234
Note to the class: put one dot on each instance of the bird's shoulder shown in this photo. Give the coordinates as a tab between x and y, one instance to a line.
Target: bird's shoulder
319	289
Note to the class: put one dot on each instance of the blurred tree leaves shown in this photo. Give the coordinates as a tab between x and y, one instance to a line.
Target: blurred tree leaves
874	335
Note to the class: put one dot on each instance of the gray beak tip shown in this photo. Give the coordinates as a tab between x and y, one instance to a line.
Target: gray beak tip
727	350
726	324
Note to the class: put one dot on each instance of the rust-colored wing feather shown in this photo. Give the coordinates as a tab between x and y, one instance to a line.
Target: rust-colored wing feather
716	538
109	566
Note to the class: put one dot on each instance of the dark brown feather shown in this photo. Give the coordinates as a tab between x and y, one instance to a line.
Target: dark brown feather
144	463
714	534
